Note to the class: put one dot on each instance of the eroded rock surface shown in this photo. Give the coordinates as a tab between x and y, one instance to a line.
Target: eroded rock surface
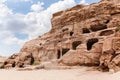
82	35
2	59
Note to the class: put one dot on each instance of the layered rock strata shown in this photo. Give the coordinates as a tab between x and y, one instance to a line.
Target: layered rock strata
82	35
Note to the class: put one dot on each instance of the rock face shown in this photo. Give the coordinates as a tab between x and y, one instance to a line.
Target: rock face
2	59
82	35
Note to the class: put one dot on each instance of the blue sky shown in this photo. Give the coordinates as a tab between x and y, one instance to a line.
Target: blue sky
25	8
23	20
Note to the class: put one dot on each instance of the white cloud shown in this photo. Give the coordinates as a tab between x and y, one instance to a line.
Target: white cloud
41	20
4	10
37	7
27	0
82	1
2	1
35	23
19	0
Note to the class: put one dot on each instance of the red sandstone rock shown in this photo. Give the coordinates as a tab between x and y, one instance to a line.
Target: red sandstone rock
82	35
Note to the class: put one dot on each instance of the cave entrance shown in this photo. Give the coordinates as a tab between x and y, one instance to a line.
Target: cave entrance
58	54
64	51
85	30
66	29
90	43
98	27
107	21
106	33
61	53
71	33
75	44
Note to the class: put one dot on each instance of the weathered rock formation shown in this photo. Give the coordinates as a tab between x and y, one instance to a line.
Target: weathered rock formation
82	35
2	59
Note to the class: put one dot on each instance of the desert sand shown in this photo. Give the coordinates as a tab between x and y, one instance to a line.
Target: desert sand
69	74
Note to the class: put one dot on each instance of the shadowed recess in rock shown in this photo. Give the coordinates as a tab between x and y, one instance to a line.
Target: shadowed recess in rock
58	54
107	21
66	29
61	53
85	30
98	27
75	44
71	33
90	43
106	33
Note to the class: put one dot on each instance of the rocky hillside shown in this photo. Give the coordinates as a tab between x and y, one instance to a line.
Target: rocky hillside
82	35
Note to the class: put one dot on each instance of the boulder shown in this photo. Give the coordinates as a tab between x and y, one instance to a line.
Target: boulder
19	64
106	58
26	58
8	66
10	61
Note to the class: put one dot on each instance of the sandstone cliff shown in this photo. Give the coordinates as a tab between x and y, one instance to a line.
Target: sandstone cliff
82	35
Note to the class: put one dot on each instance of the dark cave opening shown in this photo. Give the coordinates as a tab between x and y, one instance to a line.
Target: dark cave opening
107	21
90	43
106	33
66	29
13	65
71	33
86	30
58	54
98	27
75	44
64	51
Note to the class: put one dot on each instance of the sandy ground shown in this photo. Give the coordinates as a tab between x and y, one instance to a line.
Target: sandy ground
71	74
